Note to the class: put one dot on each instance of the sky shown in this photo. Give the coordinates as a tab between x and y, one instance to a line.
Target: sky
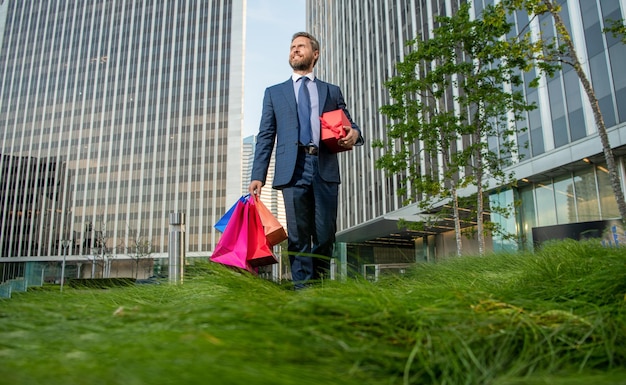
269	27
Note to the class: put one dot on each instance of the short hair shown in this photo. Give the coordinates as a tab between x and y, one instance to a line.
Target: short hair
314	43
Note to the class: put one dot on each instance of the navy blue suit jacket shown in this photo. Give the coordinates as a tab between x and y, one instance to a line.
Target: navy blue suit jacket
279	125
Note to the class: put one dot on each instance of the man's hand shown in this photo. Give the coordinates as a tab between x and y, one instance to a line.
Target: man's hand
350	139
255	188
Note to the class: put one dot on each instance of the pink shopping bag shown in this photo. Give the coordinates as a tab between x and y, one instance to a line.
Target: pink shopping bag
232	248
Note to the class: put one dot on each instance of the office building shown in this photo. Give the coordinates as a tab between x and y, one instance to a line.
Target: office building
562	177
113	115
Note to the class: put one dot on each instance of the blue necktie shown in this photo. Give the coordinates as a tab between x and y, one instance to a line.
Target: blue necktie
304	112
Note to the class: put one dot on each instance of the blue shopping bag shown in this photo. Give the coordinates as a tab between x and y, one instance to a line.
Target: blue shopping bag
223	221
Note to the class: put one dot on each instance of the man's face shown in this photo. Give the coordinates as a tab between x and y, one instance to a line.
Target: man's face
301	56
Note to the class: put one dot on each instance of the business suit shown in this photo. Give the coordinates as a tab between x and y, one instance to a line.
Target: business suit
310	183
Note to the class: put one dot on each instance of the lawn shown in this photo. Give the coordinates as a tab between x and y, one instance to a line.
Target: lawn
557	316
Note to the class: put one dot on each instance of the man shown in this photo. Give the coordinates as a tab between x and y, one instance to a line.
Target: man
307	172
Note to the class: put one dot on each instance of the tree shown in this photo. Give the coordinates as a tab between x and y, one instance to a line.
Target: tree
100	247
566	54
454	91
139	251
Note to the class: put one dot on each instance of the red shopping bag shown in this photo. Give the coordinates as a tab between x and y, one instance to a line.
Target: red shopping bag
259	248
274	231
232	248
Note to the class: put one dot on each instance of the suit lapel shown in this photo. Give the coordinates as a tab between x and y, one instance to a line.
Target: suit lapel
290	96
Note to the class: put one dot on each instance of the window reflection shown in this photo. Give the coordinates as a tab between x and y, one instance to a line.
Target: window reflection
527	210
608	205
502	213
545	204
586	195
582	196
565	200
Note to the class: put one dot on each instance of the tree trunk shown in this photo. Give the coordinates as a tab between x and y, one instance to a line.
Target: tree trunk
445	148
597	114
453	189
457	221
480	228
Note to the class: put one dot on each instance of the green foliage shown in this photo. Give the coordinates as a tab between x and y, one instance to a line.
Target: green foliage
556	316
617	29
547	54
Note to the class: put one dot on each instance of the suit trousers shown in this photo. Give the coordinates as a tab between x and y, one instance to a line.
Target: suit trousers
311	208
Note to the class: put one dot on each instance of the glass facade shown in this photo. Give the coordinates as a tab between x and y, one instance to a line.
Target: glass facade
361	42
113	114
584	195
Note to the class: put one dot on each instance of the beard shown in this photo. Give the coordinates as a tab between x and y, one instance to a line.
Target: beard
301	65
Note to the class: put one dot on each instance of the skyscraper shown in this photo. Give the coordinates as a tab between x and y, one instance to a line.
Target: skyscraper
562	177
114	114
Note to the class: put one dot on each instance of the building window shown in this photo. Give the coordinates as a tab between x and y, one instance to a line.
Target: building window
586	195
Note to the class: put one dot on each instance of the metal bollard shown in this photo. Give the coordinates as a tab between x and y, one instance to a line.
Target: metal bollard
333	269
176	250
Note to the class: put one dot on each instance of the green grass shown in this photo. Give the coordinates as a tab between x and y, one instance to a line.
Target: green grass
554	317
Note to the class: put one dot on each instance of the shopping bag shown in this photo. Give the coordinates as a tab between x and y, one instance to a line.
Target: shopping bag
232	248
223	221
259	249
274	231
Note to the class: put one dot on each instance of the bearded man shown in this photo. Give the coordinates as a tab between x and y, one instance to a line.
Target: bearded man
306	170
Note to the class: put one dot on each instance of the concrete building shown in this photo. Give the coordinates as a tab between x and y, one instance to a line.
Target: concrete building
114	114
562	177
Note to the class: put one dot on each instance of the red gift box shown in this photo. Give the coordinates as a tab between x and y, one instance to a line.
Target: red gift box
333	123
